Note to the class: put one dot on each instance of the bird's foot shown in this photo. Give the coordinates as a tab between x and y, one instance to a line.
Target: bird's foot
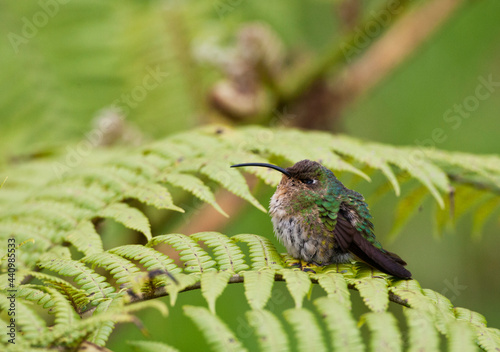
304	266
300	264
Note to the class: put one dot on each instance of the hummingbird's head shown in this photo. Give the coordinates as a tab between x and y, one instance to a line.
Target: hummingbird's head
301	185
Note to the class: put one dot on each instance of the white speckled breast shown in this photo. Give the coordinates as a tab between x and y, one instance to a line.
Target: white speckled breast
300	241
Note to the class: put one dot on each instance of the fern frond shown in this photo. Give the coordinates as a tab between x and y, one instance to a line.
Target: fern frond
27	320
151	346
384	329
373	289
102	331
213	284
130	217
411	292
85	238
153	194
443	313
484	212
77	297
50	298
120	268
344	335
287	144
344	145
406	209
35	294
195	186
93	283
227	254
422	333
268	330
87	197
335	286
306	330
298	284
421	169
461	336
183	282
150	258
262	251
218	170
258	286
215	331
195	259
488	338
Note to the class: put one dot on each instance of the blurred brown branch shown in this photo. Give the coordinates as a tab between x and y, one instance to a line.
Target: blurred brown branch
403	38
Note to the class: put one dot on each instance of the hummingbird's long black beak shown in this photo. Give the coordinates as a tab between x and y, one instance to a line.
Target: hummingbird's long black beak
280	169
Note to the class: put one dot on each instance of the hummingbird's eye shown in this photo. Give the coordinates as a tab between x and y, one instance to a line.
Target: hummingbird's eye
309	181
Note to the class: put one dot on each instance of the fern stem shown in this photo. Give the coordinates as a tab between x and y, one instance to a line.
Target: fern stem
237	279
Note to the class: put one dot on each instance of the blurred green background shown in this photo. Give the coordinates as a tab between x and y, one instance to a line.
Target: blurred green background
63	62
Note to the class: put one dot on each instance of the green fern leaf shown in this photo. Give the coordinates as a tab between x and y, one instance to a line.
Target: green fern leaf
213	284
151	346
50	298
77	297
353	148
344	335
469	316
86	197
102	332
262	251
384	329
153	194
150	258
298	283
215	331
104	176
227	254
406	209
112	308
443	313
373	289
287	144
306	330
488	338
93	283
68	335
484	212
35	294
269	331
411	292
428	174
195	186
121	269
130	217
335	286
85	238
219	171
27	320
461	336
195	259
183	282
258	286
422	333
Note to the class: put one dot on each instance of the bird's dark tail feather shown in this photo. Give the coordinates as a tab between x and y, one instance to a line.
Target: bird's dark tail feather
387	262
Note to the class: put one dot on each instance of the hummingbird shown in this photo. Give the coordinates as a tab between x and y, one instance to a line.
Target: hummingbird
322	222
